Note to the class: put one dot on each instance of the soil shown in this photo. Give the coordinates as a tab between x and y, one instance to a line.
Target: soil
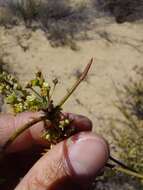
116	49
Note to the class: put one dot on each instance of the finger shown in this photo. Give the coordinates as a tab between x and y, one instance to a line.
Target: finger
9	124
69	163
80	122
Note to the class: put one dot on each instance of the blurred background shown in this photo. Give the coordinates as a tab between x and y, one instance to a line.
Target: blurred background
59	37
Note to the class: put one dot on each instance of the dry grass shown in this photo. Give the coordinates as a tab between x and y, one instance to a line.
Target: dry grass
131	106
62	22
127	135
122	10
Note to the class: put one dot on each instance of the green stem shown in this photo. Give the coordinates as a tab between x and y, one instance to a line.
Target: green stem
128	172
53	90
120	164
19	131
125	169
74	87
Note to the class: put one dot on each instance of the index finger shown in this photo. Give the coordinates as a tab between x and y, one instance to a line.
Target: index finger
9	124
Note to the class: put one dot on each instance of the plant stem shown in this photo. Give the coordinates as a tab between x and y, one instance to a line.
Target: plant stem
120	164
21	130
53	90
36	120
124	169
74	87
128	172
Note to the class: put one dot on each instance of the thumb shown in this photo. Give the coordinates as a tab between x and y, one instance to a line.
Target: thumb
67	164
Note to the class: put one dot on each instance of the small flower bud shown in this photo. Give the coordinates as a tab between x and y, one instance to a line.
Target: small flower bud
39	74
35	82
47	137
55	81
67	122
18	108
61	127
46	85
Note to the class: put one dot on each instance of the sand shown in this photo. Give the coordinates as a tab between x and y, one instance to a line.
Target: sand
116	50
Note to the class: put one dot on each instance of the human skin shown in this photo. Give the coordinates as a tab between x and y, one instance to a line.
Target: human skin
71	164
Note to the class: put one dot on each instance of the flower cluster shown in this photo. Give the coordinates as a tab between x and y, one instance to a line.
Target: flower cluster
33	97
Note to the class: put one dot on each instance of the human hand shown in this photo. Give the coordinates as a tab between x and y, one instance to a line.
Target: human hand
71	164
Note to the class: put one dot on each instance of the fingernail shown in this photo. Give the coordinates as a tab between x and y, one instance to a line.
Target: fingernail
87	154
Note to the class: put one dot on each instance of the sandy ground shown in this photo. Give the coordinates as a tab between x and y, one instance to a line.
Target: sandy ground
116	50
